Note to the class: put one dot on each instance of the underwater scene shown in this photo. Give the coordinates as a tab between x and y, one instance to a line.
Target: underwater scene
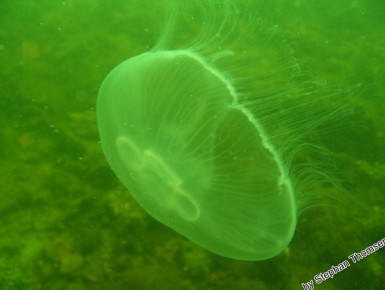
192	144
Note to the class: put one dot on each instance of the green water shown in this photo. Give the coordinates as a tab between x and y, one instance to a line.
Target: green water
68	223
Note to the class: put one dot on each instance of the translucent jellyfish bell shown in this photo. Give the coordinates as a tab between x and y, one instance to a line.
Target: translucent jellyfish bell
198	132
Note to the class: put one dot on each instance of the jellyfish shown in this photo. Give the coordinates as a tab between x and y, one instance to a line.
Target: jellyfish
203	128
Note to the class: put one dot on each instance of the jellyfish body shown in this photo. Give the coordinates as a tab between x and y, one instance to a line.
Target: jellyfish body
197	134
